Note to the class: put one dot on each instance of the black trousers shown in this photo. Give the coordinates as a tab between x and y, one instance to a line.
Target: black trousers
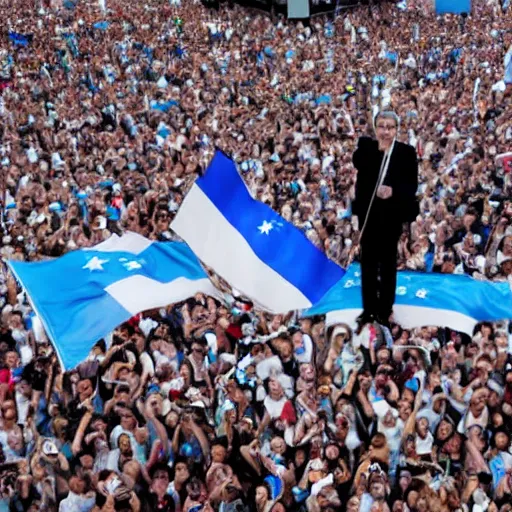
379	247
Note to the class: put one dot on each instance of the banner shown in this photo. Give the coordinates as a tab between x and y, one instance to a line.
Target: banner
453	6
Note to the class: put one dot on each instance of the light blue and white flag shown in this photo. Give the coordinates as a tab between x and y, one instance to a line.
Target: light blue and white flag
249	245
84	295
423	299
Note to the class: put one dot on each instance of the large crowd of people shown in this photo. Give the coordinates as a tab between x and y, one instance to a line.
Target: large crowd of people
109	113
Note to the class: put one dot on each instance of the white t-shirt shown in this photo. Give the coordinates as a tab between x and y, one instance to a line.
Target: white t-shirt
424	446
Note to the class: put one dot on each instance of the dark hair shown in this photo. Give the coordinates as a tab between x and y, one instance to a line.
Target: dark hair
160	466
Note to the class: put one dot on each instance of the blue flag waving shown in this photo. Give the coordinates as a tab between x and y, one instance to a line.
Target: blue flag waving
84	295
249	245
423	299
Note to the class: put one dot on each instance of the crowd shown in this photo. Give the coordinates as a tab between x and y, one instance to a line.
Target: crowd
108	116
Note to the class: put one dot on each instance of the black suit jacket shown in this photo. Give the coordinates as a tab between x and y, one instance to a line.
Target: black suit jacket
402	177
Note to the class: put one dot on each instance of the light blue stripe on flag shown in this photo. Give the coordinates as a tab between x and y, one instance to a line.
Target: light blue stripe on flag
248	244
444	300
84	295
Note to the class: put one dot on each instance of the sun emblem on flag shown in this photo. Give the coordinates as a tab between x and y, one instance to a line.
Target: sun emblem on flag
421	293
401	290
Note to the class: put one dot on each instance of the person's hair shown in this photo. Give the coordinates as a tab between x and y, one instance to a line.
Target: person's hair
379	440
160	466
387	114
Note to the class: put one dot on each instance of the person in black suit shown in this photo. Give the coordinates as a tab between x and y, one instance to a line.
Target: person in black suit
385	200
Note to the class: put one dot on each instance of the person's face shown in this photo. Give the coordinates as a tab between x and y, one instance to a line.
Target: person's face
286	351
275	389
407	396
185	372
377	490
15	442
84	389
422	427
218	453
453	446
404	482
389	420
199	314
502	441
493	400
99	425
332	452
261	495
398	506
125	445
353	504
307	372
122	396
422	504
139	341
412	499
197	353
8	410
87	462
479	401
173	419
278	445
506	268
410	447
300	458
182	474
486	331
382	376
128	420
11	360
77	485
160	481
383	356
386	130
497	420
15	321
445	430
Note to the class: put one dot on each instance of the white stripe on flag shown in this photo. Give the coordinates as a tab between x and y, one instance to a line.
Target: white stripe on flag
220	246
130	242
140	293
410	317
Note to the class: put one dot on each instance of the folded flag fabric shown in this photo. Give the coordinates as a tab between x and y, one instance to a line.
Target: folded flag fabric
84	295
423	299
249	245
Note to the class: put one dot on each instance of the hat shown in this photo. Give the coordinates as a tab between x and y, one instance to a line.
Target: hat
501	258
49	448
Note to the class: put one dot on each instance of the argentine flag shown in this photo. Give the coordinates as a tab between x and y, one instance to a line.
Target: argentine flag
84	295
249	245
423	299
